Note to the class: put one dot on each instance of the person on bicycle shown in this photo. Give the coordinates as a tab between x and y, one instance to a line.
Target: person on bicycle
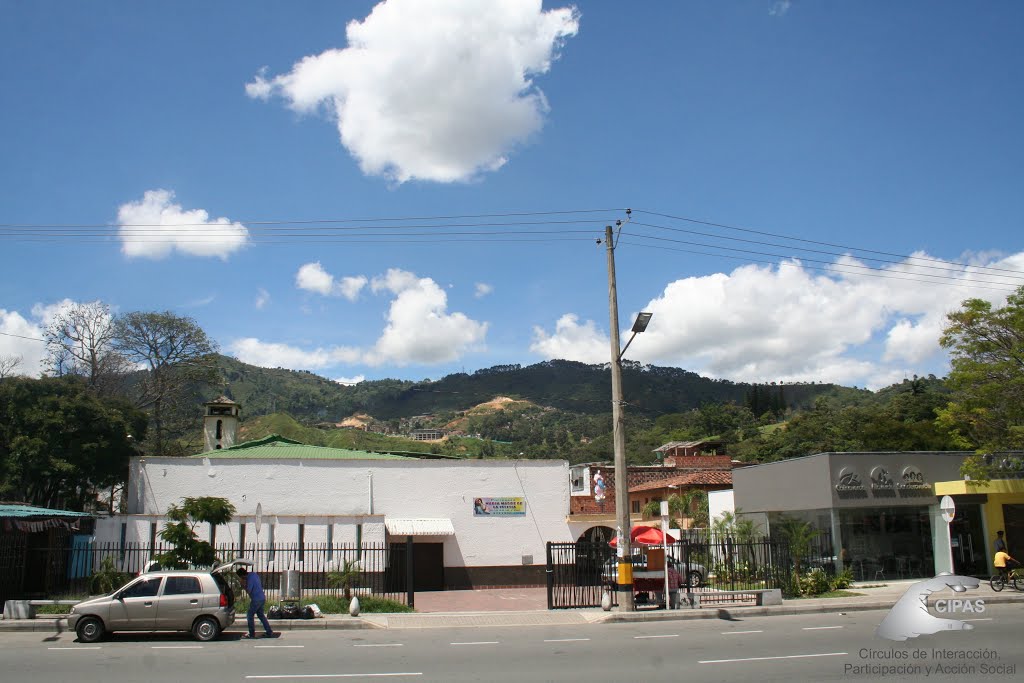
1003	563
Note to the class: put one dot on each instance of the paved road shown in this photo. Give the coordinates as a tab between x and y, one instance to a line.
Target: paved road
818	647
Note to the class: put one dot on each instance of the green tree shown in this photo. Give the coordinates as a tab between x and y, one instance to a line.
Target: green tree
799	534
187	549
60	445
345	577
986	345
176	354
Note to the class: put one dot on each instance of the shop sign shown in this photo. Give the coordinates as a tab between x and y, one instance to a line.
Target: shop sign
880	480
912	480
849	481
499	507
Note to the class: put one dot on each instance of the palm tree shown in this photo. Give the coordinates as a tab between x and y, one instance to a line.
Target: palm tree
345	577
799	534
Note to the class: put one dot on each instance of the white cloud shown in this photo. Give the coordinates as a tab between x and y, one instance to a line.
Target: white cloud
262	298
573	341
156	226
23	336
789	324
437	90
313	278
779	8
350	381
419	328
19	340
272	355
482	289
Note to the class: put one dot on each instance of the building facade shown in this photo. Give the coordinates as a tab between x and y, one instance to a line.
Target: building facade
881	509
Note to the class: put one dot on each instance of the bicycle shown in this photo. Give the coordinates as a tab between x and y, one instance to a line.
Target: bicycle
1014	577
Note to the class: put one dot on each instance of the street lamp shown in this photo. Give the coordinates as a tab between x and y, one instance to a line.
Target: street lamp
624	583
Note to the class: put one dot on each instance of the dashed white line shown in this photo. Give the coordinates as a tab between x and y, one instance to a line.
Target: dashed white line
378	645
278	647
672	635
95	647
738	633
379	675
565	640
478	642
820	628
978	619
176	647
762	659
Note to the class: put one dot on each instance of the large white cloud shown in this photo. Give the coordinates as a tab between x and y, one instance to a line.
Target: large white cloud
22	336
313	278
419	327
155	226
789	324
436	90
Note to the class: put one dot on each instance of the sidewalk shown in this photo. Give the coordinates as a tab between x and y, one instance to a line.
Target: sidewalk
528	607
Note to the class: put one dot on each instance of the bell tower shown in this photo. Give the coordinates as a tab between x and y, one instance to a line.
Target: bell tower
220	423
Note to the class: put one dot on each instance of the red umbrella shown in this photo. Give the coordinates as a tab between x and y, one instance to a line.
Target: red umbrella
646	535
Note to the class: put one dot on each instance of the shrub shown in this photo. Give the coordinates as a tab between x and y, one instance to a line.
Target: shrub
841	580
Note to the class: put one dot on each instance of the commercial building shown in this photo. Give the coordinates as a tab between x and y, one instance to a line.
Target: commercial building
881	508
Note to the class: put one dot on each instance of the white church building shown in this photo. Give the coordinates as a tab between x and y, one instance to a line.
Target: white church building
478	522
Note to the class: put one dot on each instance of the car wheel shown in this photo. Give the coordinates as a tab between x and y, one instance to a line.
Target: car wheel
695	579
89	629
205	628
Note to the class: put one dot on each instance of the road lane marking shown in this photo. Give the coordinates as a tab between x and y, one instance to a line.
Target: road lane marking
565	640
478	642
978	619
738	633
176	647
86	647
673	635
820	628
762	659
272	647
380	675
378	645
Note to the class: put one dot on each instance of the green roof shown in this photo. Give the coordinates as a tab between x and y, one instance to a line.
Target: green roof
16	510
276	446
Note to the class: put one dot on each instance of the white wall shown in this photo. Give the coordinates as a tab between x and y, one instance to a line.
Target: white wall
349	492
720	502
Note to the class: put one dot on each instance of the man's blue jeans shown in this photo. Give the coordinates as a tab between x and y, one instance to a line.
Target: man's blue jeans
256	609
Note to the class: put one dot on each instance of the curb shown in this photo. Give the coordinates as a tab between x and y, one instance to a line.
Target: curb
58	623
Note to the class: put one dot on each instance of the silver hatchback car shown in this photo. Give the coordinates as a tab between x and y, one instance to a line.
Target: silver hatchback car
199	601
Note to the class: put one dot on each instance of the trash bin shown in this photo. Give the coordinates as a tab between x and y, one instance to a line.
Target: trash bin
291	586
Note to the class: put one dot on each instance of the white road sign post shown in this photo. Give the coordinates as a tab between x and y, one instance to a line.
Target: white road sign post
948	508
664	548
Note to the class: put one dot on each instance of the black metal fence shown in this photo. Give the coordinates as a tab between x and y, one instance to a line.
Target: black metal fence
720	568
375	569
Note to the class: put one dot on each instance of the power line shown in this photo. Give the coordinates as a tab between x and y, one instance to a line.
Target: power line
19	336
798	239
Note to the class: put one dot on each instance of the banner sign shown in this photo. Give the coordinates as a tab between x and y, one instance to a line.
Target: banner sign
499	507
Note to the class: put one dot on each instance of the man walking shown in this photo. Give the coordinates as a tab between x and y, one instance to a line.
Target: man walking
253	586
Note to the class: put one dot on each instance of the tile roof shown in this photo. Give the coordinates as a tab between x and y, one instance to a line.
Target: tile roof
701	478
276	447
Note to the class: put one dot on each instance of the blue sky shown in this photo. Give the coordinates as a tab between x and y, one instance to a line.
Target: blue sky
279	172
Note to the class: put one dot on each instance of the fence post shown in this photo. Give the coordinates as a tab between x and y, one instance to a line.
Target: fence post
410	593
549	575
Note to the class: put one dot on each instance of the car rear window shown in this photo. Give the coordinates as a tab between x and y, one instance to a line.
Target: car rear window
182	585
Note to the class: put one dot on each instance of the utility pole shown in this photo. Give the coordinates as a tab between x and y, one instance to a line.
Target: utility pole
623	524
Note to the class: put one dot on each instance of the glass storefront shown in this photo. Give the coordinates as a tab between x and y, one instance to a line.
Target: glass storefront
876	543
